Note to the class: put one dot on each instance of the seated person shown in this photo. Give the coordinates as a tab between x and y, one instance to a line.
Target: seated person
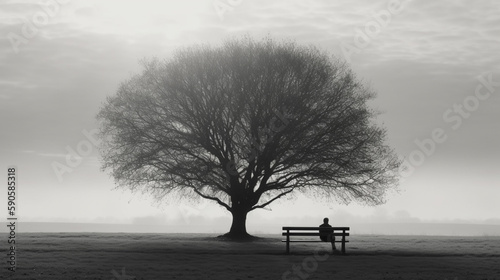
326	234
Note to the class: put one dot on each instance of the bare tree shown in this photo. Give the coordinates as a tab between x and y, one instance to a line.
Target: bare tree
245	124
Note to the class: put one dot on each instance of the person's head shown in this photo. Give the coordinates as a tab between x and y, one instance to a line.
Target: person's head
325	220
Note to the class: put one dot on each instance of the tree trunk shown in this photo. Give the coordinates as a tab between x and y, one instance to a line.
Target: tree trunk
238	227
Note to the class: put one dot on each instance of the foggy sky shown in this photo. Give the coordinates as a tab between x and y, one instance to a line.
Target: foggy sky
434	64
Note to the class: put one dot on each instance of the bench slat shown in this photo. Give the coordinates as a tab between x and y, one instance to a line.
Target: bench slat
314	228
311	234
336	241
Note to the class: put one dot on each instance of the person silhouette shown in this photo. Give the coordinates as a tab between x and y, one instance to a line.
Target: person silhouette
326	233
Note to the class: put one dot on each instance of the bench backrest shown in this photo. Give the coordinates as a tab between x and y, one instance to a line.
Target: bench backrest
315	228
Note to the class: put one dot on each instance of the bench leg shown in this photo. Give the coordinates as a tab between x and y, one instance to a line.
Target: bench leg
343	244
287	242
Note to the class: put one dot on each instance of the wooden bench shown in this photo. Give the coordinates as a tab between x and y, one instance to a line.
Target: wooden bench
313	231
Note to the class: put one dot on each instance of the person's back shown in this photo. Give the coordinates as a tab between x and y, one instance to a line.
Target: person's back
326	230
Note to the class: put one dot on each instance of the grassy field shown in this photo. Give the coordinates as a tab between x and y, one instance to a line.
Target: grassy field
201	256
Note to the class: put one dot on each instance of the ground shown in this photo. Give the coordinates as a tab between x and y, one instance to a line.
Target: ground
202	256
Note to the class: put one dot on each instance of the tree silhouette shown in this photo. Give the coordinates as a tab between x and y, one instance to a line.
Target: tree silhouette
245	124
